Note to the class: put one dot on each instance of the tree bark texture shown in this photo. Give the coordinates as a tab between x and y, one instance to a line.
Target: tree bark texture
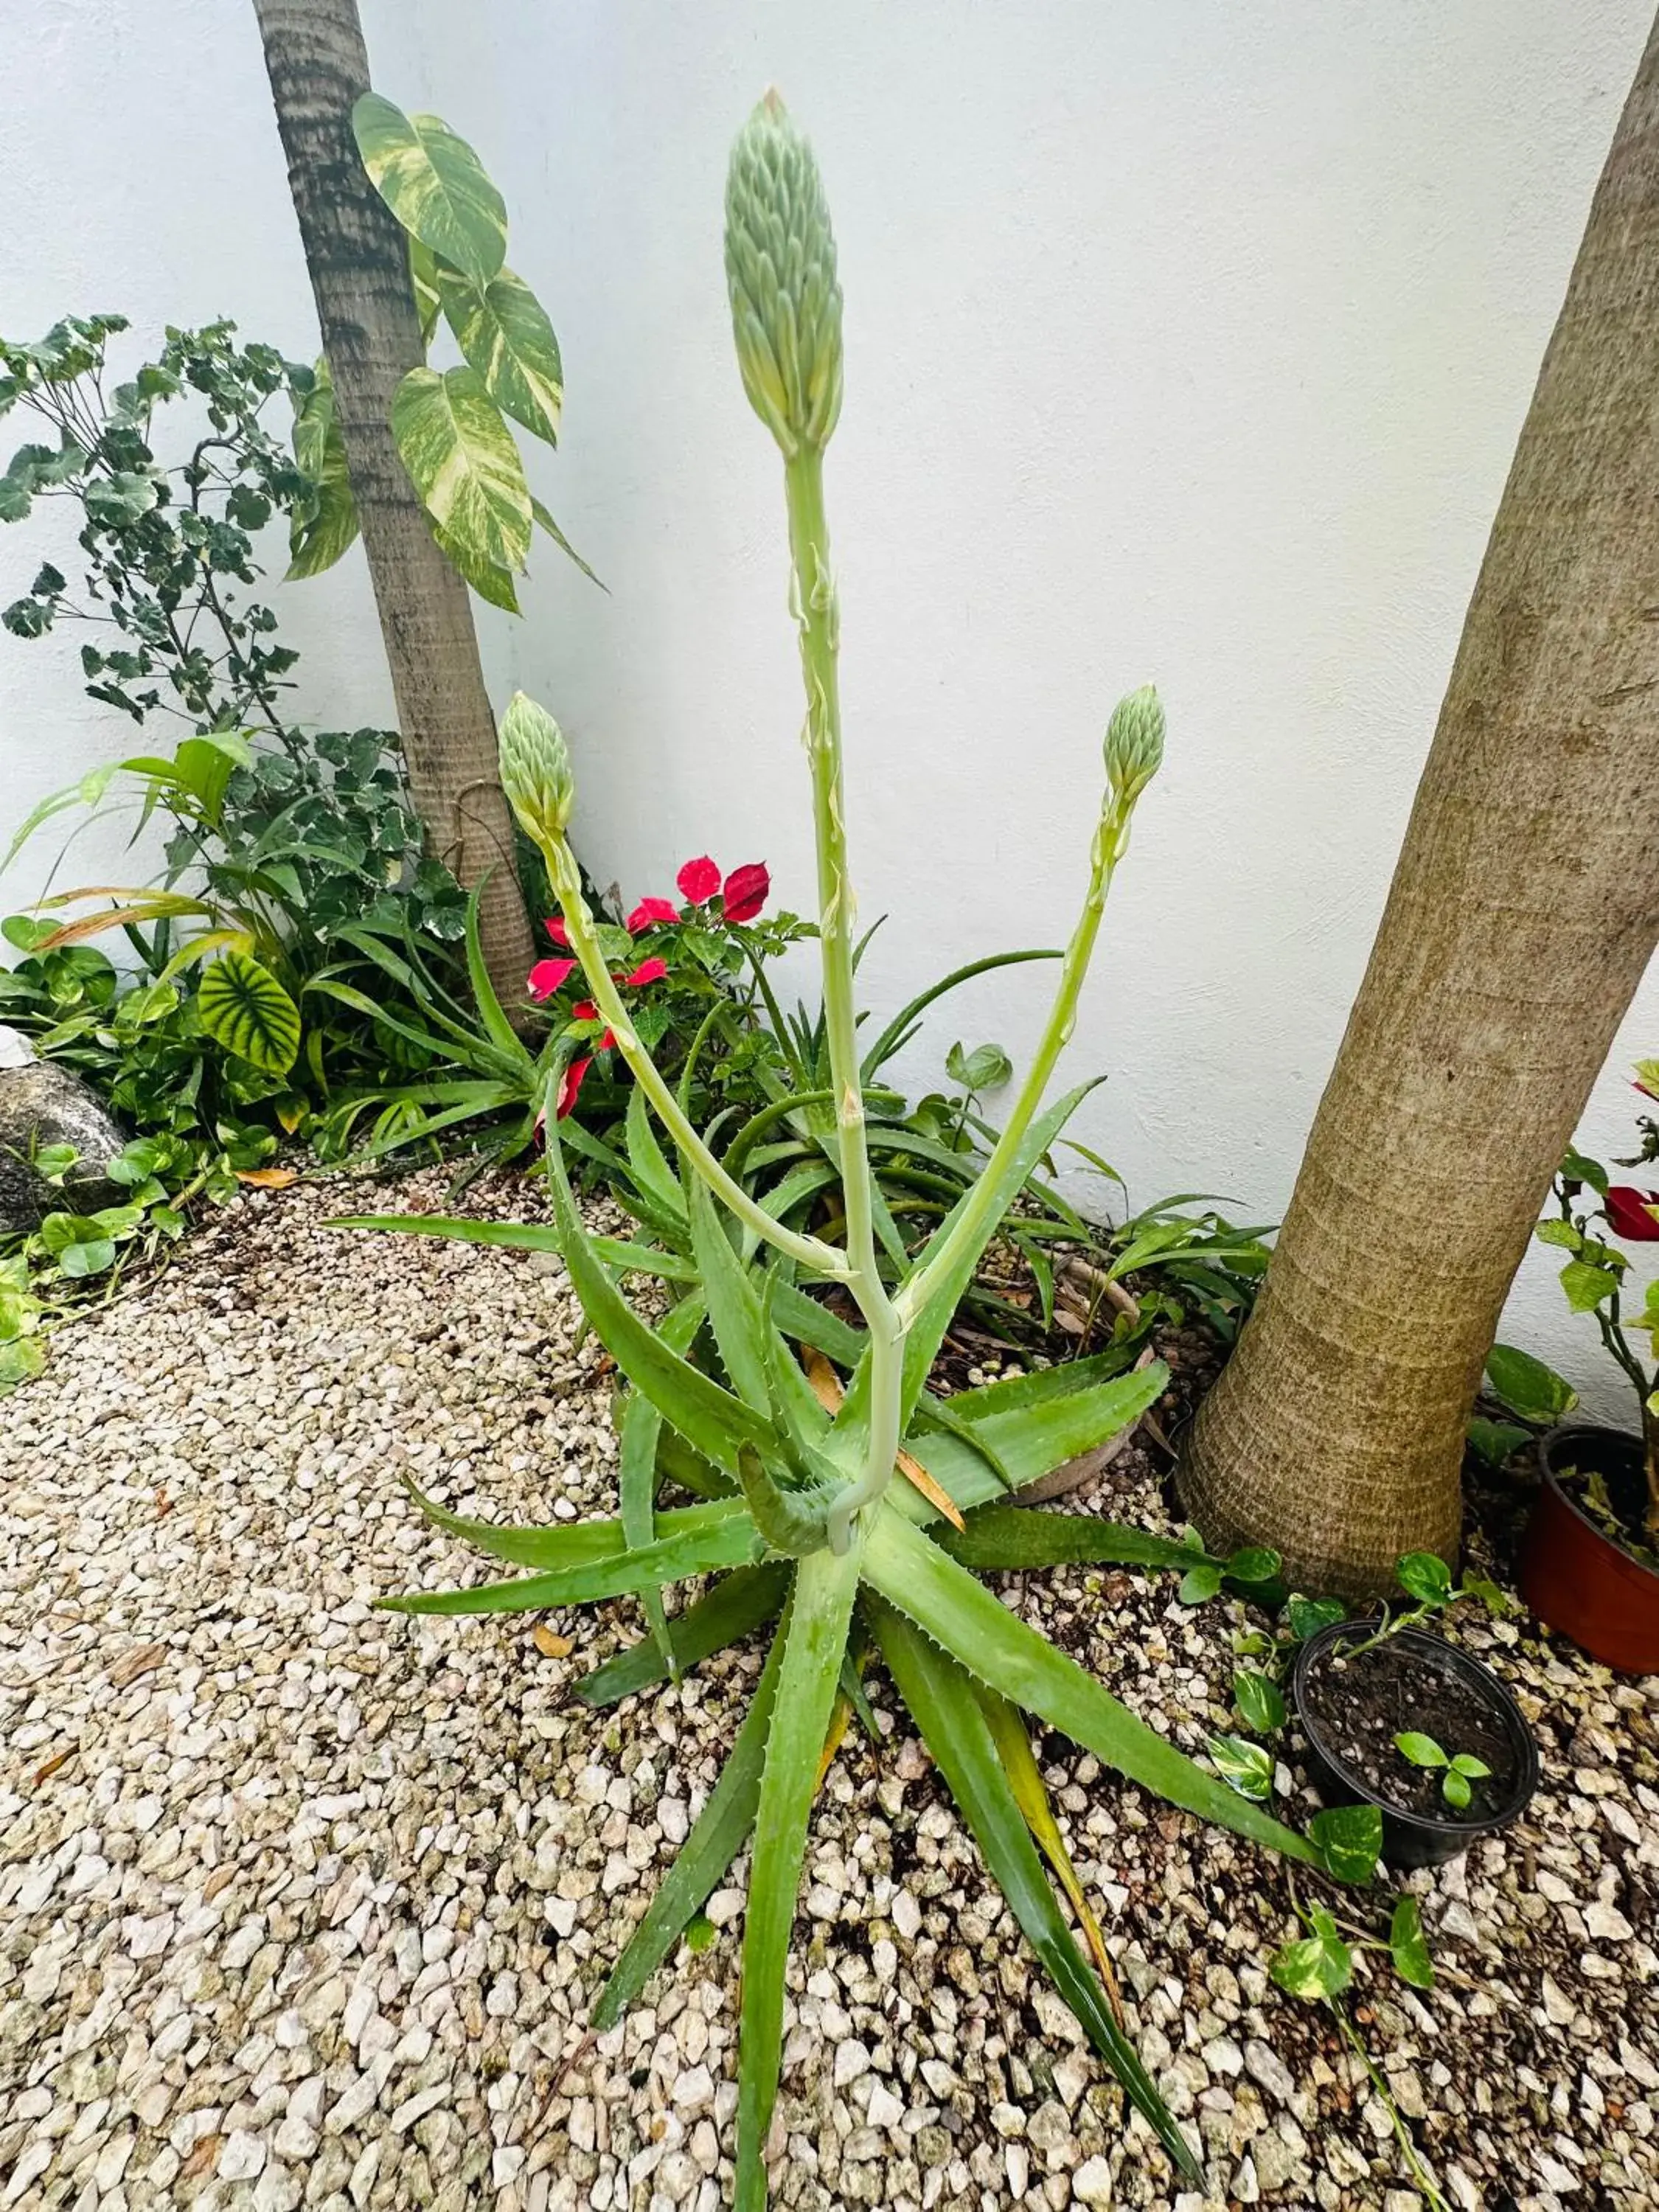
358	259
1524	908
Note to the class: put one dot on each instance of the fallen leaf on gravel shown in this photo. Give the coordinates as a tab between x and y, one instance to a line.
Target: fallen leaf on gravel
201	2158
268	1178
139	1661
59	1758
550	1645
221	1877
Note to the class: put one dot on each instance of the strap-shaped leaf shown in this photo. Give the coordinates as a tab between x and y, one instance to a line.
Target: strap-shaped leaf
462	460
734	1307
1015	1393
945	1293
642	1431
942	1701
814	1638
793	1522
888	1042
718	1834
616	1252
724	1537
646	1163
1011	1537
433	183
502	1035
710	1418
910	1571
242	1007
739	1602
502	329
1033	1442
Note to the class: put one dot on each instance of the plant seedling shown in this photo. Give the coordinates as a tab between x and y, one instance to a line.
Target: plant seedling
1460	1768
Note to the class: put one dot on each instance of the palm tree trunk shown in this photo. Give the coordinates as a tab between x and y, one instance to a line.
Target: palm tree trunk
1523	910
318	66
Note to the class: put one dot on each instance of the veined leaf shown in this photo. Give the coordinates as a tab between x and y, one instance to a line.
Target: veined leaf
911	1572
423	283
433	183
718	1834
814	1638
320	530
943	1702
739	1602
462	460
242	1007
502	330
726	1537
492	583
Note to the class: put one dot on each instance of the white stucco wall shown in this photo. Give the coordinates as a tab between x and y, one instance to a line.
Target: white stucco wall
1186	342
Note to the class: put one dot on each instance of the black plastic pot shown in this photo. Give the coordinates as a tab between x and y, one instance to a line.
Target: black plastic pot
1411	1839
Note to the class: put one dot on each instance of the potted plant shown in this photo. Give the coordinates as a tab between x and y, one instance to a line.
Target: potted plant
1590	1565
1397	1717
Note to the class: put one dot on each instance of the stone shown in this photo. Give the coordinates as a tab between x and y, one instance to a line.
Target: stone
1092	2183
40	1104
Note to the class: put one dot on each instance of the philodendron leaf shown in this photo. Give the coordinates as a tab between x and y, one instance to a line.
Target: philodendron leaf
433	183
1200	1583
462	460
320	530
1308	1615
1244	1766
1426	1577
503	330
1529	1389
1494	1442
1260	1701
1319	1966
492	583
242	1007
1349	1840
1409	1950
423	283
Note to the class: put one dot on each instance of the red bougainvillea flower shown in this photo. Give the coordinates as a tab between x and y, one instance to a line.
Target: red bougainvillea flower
746	892
586	1011
548	976
1634	1214
571	1083
648	971
650	911
698	880
556	929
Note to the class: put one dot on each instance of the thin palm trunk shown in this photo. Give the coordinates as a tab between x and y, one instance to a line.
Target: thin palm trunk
1524	908
357	254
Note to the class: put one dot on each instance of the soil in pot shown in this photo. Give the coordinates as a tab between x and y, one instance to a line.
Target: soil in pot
1603	1474
1362	1703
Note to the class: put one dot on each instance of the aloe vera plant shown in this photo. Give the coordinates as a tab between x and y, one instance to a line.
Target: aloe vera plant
787	1421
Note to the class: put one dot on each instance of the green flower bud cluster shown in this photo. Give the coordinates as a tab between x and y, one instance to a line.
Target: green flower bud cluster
536	774
780	273
1134	743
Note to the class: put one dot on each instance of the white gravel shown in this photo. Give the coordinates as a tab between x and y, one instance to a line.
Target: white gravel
302	1904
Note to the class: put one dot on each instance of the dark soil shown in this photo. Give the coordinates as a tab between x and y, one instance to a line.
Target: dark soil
1360	1704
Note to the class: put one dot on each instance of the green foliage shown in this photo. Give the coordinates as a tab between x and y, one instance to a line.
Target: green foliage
1458	1770
451	425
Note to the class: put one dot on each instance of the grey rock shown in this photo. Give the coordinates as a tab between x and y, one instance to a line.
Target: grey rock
41	1104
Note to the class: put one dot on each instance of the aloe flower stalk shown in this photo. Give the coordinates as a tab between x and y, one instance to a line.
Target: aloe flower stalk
538	779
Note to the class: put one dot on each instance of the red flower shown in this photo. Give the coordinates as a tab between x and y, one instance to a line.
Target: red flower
571	1083
650	911
556	929
548	976
698	880
746	892
648	971
1634	1214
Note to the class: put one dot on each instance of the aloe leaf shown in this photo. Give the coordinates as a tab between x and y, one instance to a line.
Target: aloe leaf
795	1523
807	1321
1007	1538
734	1309
813	1640
501	1031
940	1416
718	1834
739	1602
617	1252
710	1418
1016	1392
561	1543
1033	1441
726	1536
888	1042
942	1701
910	1571
651	1170
677	1462
641	1430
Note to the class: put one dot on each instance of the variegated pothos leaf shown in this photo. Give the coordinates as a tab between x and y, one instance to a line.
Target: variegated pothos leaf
433	183
462	460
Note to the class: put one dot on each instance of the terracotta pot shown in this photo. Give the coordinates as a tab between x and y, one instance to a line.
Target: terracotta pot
1573	1575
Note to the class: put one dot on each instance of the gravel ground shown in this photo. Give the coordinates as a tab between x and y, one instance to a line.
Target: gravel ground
301	1903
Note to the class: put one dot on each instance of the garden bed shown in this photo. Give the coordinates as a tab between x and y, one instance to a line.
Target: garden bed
302	1903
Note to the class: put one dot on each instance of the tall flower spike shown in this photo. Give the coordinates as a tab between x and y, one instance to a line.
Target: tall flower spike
535	767
781	274
1134	743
